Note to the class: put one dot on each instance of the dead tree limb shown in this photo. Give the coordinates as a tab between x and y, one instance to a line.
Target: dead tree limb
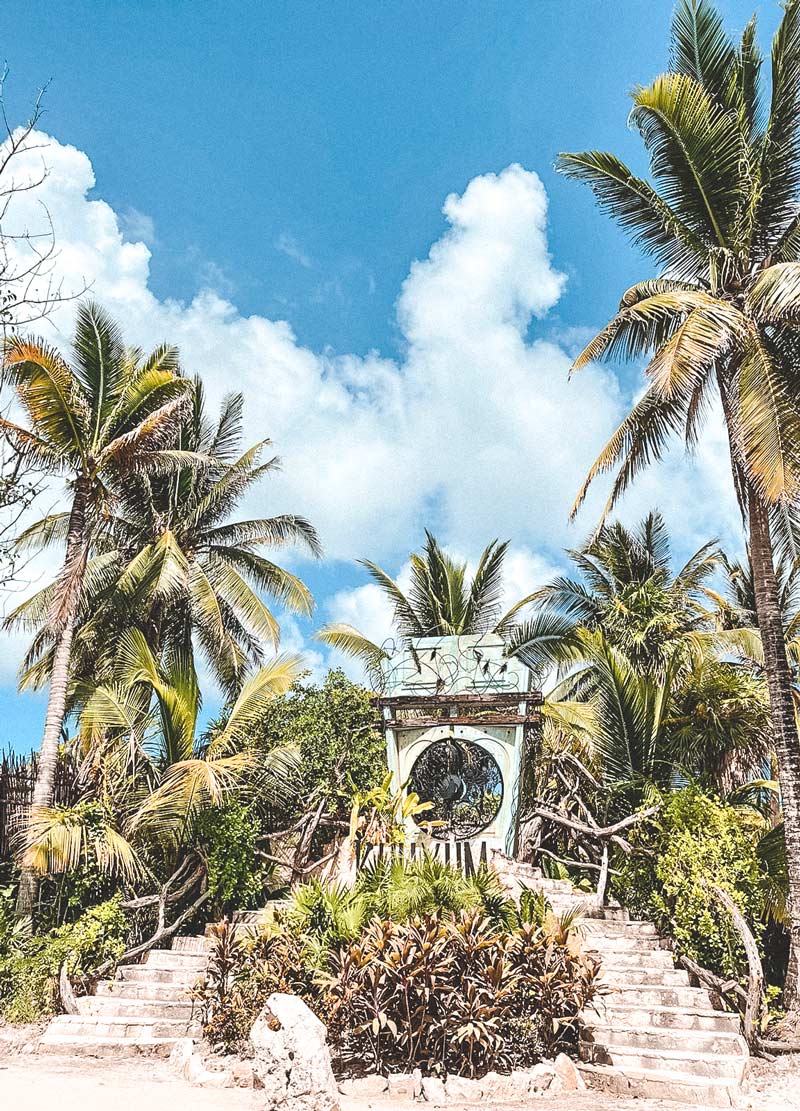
755	999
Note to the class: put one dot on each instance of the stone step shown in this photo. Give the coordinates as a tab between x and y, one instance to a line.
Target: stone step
723	1042
167	958
114	1007
91	1046
624	943
147	974
137	1029
647	995
606	1011
627	928
132	989
713	1066
615	975
192	943
659	1084
651	959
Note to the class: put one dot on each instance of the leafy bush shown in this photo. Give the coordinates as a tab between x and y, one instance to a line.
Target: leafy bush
461	989
228	838
455	994
332	726
697	843
30	964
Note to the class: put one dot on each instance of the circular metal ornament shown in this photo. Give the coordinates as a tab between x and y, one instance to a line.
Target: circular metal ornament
464	785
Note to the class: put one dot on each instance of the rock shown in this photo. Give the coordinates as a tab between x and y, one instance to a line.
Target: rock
463	1089
197	1073
542	1076
181	1054
242	1073
291	1057
363	1087
404	1085
567	1073
512	1087
433	1090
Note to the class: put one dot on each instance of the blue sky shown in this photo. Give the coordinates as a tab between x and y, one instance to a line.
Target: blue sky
291	160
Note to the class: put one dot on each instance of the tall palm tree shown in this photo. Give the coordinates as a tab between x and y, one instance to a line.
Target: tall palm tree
441	601
98	419
720	319
174	565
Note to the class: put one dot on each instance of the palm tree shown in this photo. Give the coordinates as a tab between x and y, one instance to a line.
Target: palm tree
628	591
98	420
442	601
720	319
145	772
174	565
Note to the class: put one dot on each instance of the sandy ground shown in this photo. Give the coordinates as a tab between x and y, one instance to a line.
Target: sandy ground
30	1082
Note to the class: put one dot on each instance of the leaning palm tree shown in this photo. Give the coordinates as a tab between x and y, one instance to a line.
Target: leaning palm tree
176	566
98	419
441	601
720	319
145	773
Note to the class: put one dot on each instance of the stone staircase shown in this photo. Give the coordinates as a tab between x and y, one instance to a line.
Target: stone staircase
651	1034
145	1009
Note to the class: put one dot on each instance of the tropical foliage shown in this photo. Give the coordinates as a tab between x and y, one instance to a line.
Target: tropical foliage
441	601
718	323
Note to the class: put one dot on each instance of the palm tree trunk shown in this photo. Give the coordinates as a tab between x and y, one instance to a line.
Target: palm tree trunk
74	563
784	725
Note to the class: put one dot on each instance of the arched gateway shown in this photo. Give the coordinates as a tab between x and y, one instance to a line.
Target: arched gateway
457	714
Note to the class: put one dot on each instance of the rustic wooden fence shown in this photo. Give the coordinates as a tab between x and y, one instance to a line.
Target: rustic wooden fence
17	777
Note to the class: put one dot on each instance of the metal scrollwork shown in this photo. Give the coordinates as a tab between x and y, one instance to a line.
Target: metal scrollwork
464	785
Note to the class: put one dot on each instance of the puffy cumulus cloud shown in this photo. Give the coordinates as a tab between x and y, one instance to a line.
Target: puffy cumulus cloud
474	430
471	428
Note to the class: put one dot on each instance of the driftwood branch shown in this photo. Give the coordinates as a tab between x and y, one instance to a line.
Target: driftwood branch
65	993
599	833
755	998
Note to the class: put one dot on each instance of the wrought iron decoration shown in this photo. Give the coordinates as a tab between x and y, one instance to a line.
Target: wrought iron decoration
464	785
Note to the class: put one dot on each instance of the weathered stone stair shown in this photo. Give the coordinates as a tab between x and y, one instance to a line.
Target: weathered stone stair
651	1034
145	1009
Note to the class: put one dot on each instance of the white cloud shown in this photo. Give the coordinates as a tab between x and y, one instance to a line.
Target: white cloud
474	431
288	245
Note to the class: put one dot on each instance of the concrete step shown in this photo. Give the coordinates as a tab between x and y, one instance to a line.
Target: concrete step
648	958
615	975
647	995
608	944
194	943
114	1007
626	928
659	1084
149	974
606	1011
137	1029
91	1046
146	989
714	1066
166	958
723	1042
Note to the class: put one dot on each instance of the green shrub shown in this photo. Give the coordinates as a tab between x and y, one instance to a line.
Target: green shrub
228	837
460	989
30	964
454	994
696	844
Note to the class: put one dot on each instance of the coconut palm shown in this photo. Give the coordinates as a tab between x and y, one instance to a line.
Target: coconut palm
176	566
627	589
146	774
720	319
441	601
98	419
